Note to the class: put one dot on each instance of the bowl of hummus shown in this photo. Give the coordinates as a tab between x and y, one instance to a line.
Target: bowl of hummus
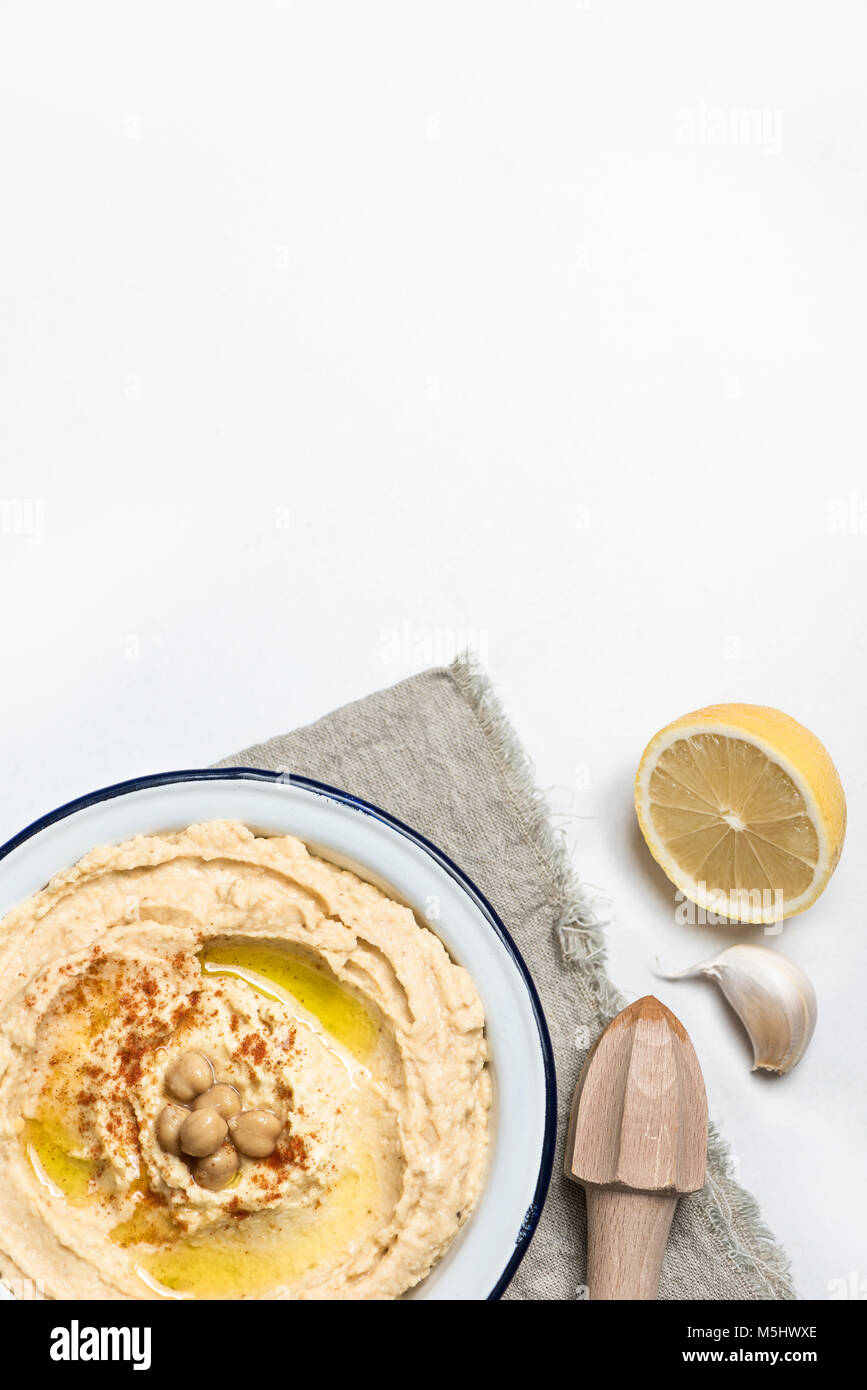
260	1040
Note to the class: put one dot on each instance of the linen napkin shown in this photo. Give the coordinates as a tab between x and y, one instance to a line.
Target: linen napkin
437	752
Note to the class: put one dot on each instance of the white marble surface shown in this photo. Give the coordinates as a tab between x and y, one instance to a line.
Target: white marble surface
330	333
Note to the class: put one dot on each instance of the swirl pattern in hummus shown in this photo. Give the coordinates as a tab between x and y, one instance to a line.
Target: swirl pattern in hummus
310	990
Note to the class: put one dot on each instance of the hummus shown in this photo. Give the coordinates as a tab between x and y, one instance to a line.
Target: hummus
308	990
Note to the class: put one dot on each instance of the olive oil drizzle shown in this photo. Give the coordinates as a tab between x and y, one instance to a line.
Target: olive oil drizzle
50	1150
228	1264
262	965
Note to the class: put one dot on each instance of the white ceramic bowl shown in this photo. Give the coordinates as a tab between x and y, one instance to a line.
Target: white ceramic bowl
356	835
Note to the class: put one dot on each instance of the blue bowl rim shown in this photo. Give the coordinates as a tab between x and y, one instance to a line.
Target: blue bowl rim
158	779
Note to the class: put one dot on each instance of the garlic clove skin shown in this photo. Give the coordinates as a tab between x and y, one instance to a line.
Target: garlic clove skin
771	996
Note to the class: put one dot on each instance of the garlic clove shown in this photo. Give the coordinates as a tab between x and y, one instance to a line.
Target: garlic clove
771	996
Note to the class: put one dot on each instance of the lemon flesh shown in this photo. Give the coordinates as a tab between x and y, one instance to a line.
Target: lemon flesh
743	809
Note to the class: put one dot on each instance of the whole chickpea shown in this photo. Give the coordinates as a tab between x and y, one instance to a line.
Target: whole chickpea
255	1132
189	1076
225	1099
202	1133
168	1127
218	1168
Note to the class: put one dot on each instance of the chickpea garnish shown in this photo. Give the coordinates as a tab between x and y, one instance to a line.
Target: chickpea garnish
255	1132
225	1099
168	1127
213	1129
202	1133
189	1076
218	1168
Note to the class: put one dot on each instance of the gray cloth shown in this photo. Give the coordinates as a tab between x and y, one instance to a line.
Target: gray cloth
437	751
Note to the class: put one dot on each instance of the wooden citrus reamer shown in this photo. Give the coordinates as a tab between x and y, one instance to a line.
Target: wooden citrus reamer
637	1142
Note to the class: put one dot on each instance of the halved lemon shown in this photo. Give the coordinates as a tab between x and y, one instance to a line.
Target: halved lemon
743	809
